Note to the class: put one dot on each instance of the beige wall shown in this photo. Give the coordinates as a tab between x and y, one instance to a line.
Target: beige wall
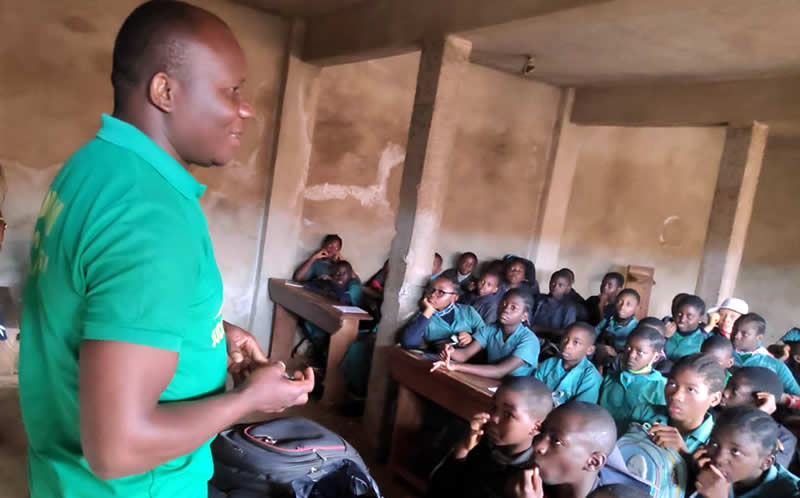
499	165
357	158
58	61
769	278
642	196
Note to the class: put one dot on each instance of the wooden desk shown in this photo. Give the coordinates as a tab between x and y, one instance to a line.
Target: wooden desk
460	393
291	302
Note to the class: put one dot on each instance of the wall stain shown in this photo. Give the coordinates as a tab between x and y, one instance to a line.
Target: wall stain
78	25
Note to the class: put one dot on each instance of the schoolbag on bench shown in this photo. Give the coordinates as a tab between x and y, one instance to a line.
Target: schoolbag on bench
661	468
290	457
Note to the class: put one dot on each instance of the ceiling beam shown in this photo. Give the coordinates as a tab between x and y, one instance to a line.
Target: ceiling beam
689	104
380	28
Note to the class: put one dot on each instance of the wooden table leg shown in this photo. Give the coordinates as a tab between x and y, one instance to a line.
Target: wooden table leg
335	384
284	329
408	421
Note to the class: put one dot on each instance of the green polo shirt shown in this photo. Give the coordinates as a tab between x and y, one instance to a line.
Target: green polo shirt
121	252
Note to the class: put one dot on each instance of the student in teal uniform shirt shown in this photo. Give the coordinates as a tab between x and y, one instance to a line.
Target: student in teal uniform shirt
572	375
748	332
636	383
694	387
512	348
612	332
739	459
688	337
319	263
441	318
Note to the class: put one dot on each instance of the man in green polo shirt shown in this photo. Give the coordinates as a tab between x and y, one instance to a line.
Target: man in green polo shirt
125	352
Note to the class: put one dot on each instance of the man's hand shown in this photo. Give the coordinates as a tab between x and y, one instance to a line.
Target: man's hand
271	390
667	436
243	352
321	254
464	338
444	359
476	425
526	484
711	483
670	328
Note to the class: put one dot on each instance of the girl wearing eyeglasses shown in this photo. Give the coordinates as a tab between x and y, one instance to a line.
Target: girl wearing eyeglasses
441	318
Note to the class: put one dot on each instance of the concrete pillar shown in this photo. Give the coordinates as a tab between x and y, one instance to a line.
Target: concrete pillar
282	218
431	139
739	169
562	163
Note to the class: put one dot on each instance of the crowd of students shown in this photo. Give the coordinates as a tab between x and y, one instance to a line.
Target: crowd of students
579	374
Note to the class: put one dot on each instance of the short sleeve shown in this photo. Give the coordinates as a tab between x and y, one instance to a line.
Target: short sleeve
528	350
482	335
139	266
589	388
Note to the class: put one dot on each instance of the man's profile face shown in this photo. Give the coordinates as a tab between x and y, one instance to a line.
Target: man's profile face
208	119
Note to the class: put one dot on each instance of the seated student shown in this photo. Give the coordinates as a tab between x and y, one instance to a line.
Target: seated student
603	305
721	318
519	273
636	383
553	312
572	376
580	302
759	387
437	265
694	386
485	297
618	491
613	331
739	459
791	341
720	348
748	332
669	320
320	262
441	318
688	337
462	273
573	454
511	347
498	445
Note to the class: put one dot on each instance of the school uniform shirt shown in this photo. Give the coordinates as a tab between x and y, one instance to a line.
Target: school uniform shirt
789	442
778	482
318	268
486	306
580	383
552	313
658	414
523	344
121	253
755	359
484	473
622	391
531	288
460	318
618	331
680	345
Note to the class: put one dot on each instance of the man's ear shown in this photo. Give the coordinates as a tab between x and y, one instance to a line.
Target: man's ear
595	462
716	398
767	462
162	92
591	350
729	364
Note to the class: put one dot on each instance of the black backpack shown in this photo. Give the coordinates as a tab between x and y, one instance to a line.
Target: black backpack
290	457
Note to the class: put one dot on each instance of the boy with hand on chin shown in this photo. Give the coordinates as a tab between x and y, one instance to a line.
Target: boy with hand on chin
498	445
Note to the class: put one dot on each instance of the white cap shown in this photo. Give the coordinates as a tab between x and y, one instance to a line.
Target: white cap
734	304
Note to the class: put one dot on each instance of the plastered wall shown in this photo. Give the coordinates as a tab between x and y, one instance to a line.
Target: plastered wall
641	196
769	277
58	61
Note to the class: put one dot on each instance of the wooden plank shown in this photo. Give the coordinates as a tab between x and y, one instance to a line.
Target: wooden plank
315	308
640	279
335	384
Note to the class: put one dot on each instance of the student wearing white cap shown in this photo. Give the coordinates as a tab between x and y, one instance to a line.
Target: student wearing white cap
722	318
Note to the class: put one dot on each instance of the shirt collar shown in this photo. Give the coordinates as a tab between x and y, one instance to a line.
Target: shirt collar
127	136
